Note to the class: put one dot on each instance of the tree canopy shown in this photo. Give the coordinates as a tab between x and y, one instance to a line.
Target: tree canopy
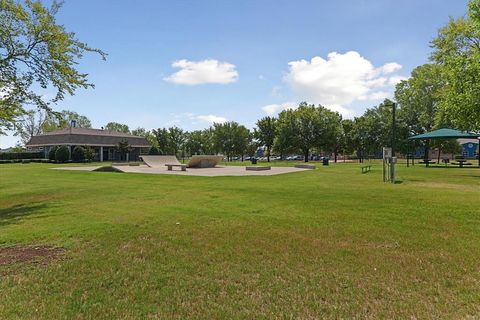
457	53
266	133
36	52
115	126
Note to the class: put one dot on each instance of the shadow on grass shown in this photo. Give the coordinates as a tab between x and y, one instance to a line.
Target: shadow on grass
16	213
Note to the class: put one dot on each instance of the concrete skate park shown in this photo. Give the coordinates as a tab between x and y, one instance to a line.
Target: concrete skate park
207	166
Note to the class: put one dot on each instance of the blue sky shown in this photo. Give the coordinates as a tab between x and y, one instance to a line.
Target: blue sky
188	63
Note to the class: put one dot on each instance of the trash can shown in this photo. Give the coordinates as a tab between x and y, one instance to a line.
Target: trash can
325	161
254	160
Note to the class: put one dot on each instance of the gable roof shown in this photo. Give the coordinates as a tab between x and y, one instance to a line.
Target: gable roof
86	137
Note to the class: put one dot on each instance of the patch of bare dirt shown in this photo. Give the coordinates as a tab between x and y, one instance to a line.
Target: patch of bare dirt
29	254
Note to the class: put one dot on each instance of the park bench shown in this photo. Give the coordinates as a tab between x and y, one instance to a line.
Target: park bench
366	169
171	165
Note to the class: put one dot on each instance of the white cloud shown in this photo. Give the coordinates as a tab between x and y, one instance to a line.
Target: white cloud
211	118
396	79
378	95
273	109
190	120
201	72
340	80
390	67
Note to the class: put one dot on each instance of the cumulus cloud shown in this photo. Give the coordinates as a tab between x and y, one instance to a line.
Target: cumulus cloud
341	79
201	72
274	108
211	118
189	119
396	79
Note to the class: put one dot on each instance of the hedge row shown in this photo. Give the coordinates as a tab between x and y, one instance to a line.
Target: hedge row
21	155
25	161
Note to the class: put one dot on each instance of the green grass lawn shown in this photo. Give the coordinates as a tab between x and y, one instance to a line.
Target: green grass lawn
328	243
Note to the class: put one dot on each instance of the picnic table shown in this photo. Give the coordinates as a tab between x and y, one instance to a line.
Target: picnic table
461	163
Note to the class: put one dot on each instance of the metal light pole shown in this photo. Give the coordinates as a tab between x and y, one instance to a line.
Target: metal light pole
393	159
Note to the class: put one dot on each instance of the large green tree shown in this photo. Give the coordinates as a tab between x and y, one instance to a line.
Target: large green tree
147	134
285	133
115	126
200	142
40	121
457	52
162	137
419	102
306	128
231	138
36	54
348	145
266	133
170	141
373	130
176	140
63	119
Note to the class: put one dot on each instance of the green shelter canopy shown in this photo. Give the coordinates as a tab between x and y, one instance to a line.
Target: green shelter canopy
446	134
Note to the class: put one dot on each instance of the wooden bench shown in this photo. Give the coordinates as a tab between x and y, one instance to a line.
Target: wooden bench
171	165
366	169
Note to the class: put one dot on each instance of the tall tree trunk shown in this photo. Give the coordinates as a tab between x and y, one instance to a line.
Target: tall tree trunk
306	154
268	154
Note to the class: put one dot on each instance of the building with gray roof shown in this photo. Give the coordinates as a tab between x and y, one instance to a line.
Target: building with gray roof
103	142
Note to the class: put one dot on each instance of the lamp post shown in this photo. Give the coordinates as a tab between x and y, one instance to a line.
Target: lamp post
393	159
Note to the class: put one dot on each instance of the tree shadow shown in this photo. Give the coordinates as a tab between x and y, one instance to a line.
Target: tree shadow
14	214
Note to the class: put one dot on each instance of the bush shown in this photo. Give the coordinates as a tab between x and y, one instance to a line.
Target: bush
62	154
89	154
20	155
153	151
51	153
78	154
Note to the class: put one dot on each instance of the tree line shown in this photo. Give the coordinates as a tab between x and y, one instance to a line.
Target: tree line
35	50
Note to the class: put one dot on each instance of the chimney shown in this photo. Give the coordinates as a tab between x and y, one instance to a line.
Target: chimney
73	123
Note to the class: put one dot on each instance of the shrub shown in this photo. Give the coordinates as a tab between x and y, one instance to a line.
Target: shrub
153	151
89	154
62	154
78	154
51	153
20	155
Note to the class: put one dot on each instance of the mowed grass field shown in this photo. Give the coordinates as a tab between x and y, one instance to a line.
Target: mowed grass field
326	243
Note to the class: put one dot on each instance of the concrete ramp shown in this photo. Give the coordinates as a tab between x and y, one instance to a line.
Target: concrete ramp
159	161
108	169
204	161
